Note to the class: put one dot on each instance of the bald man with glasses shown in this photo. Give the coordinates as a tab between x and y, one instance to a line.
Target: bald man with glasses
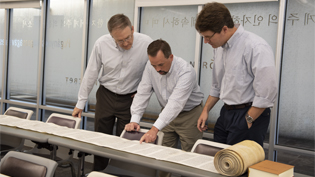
119	58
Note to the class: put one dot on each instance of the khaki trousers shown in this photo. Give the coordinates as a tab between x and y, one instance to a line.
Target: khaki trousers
182	128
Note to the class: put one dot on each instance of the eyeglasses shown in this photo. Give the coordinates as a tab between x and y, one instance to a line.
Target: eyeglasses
124	40
208	38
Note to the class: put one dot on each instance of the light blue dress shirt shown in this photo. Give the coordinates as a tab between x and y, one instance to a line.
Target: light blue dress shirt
244	71
118	70
176	91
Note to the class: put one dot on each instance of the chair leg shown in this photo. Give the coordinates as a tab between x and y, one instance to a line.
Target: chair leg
72	169
81	156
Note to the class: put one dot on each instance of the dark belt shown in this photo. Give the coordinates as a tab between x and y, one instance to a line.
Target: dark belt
123	95
238	106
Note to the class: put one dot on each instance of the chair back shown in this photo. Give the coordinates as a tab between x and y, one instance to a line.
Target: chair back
99	174
64	120
19	112
208	147
19	164
62	155
9	142
136	135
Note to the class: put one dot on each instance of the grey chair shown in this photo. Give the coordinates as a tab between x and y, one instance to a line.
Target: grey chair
11	143
64	160
19	164
208	147
121	168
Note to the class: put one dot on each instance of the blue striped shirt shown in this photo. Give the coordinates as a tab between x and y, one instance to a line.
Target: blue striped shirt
244	71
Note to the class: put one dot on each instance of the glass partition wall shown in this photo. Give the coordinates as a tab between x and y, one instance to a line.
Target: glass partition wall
2	43
64	29
23	54
71	28
296	96
176	25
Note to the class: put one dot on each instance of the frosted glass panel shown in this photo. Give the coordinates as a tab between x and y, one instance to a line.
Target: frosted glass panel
176	25
260	18
2	11
101	12
296	110
63	52
23	54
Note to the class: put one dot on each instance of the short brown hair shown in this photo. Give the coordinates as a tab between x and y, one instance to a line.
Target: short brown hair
213	17
158	45
119	21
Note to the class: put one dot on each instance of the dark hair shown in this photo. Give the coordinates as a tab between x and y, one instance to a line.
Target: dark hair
119	21
158	45
214	16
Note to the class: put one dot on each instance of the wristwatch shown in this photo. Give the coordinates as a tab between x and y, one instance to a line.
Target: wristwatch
248	118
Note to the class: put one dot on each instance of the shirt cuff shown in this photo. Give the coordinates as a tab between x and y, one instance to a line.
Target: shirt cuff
215	93
261	102
80	104
159	124
135	118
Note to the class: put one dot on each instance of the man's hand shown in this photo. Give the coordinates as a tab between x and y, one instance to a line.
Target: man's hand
77	112
201	124
132	126
150	136
249	125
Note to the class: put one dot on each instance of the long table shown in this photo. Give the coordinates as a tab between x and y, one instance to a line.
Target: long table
26	134
110	153
107	152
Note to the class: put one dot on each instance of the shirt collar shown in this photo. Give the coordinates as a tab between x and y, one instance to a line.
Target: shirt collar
234	37
172	66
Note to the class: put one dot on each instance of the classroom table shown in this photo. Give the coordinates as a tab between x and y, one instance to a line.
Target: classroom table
111	153
26	134
131	158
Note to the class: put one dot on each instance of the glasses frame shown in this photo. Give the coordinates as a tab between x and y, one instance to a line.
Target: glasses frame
120	42
208	38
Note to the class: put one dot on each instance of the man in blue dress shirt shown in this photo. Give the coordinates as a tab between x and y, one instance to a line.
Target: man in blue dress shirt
243	77
174	82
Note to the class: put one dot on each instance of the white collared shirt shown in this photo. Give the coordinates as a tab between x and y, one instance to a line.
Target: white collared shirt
244	71
121	70
176	91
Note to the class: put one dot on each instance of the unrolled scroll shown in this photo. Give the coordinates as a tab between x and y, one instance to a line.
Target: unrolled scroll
235	160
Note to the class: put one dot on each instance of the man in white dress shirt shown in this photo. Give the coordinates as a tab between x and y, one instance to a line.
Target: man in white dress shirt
174	82
121	58
243	77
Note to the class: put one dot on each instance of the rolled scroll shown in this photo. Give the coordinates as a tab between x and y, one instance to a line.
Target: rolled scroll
235	160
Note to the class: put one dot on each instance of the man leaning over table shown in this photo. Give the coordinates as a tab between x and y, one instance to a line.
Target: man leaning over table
174	82
120	57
